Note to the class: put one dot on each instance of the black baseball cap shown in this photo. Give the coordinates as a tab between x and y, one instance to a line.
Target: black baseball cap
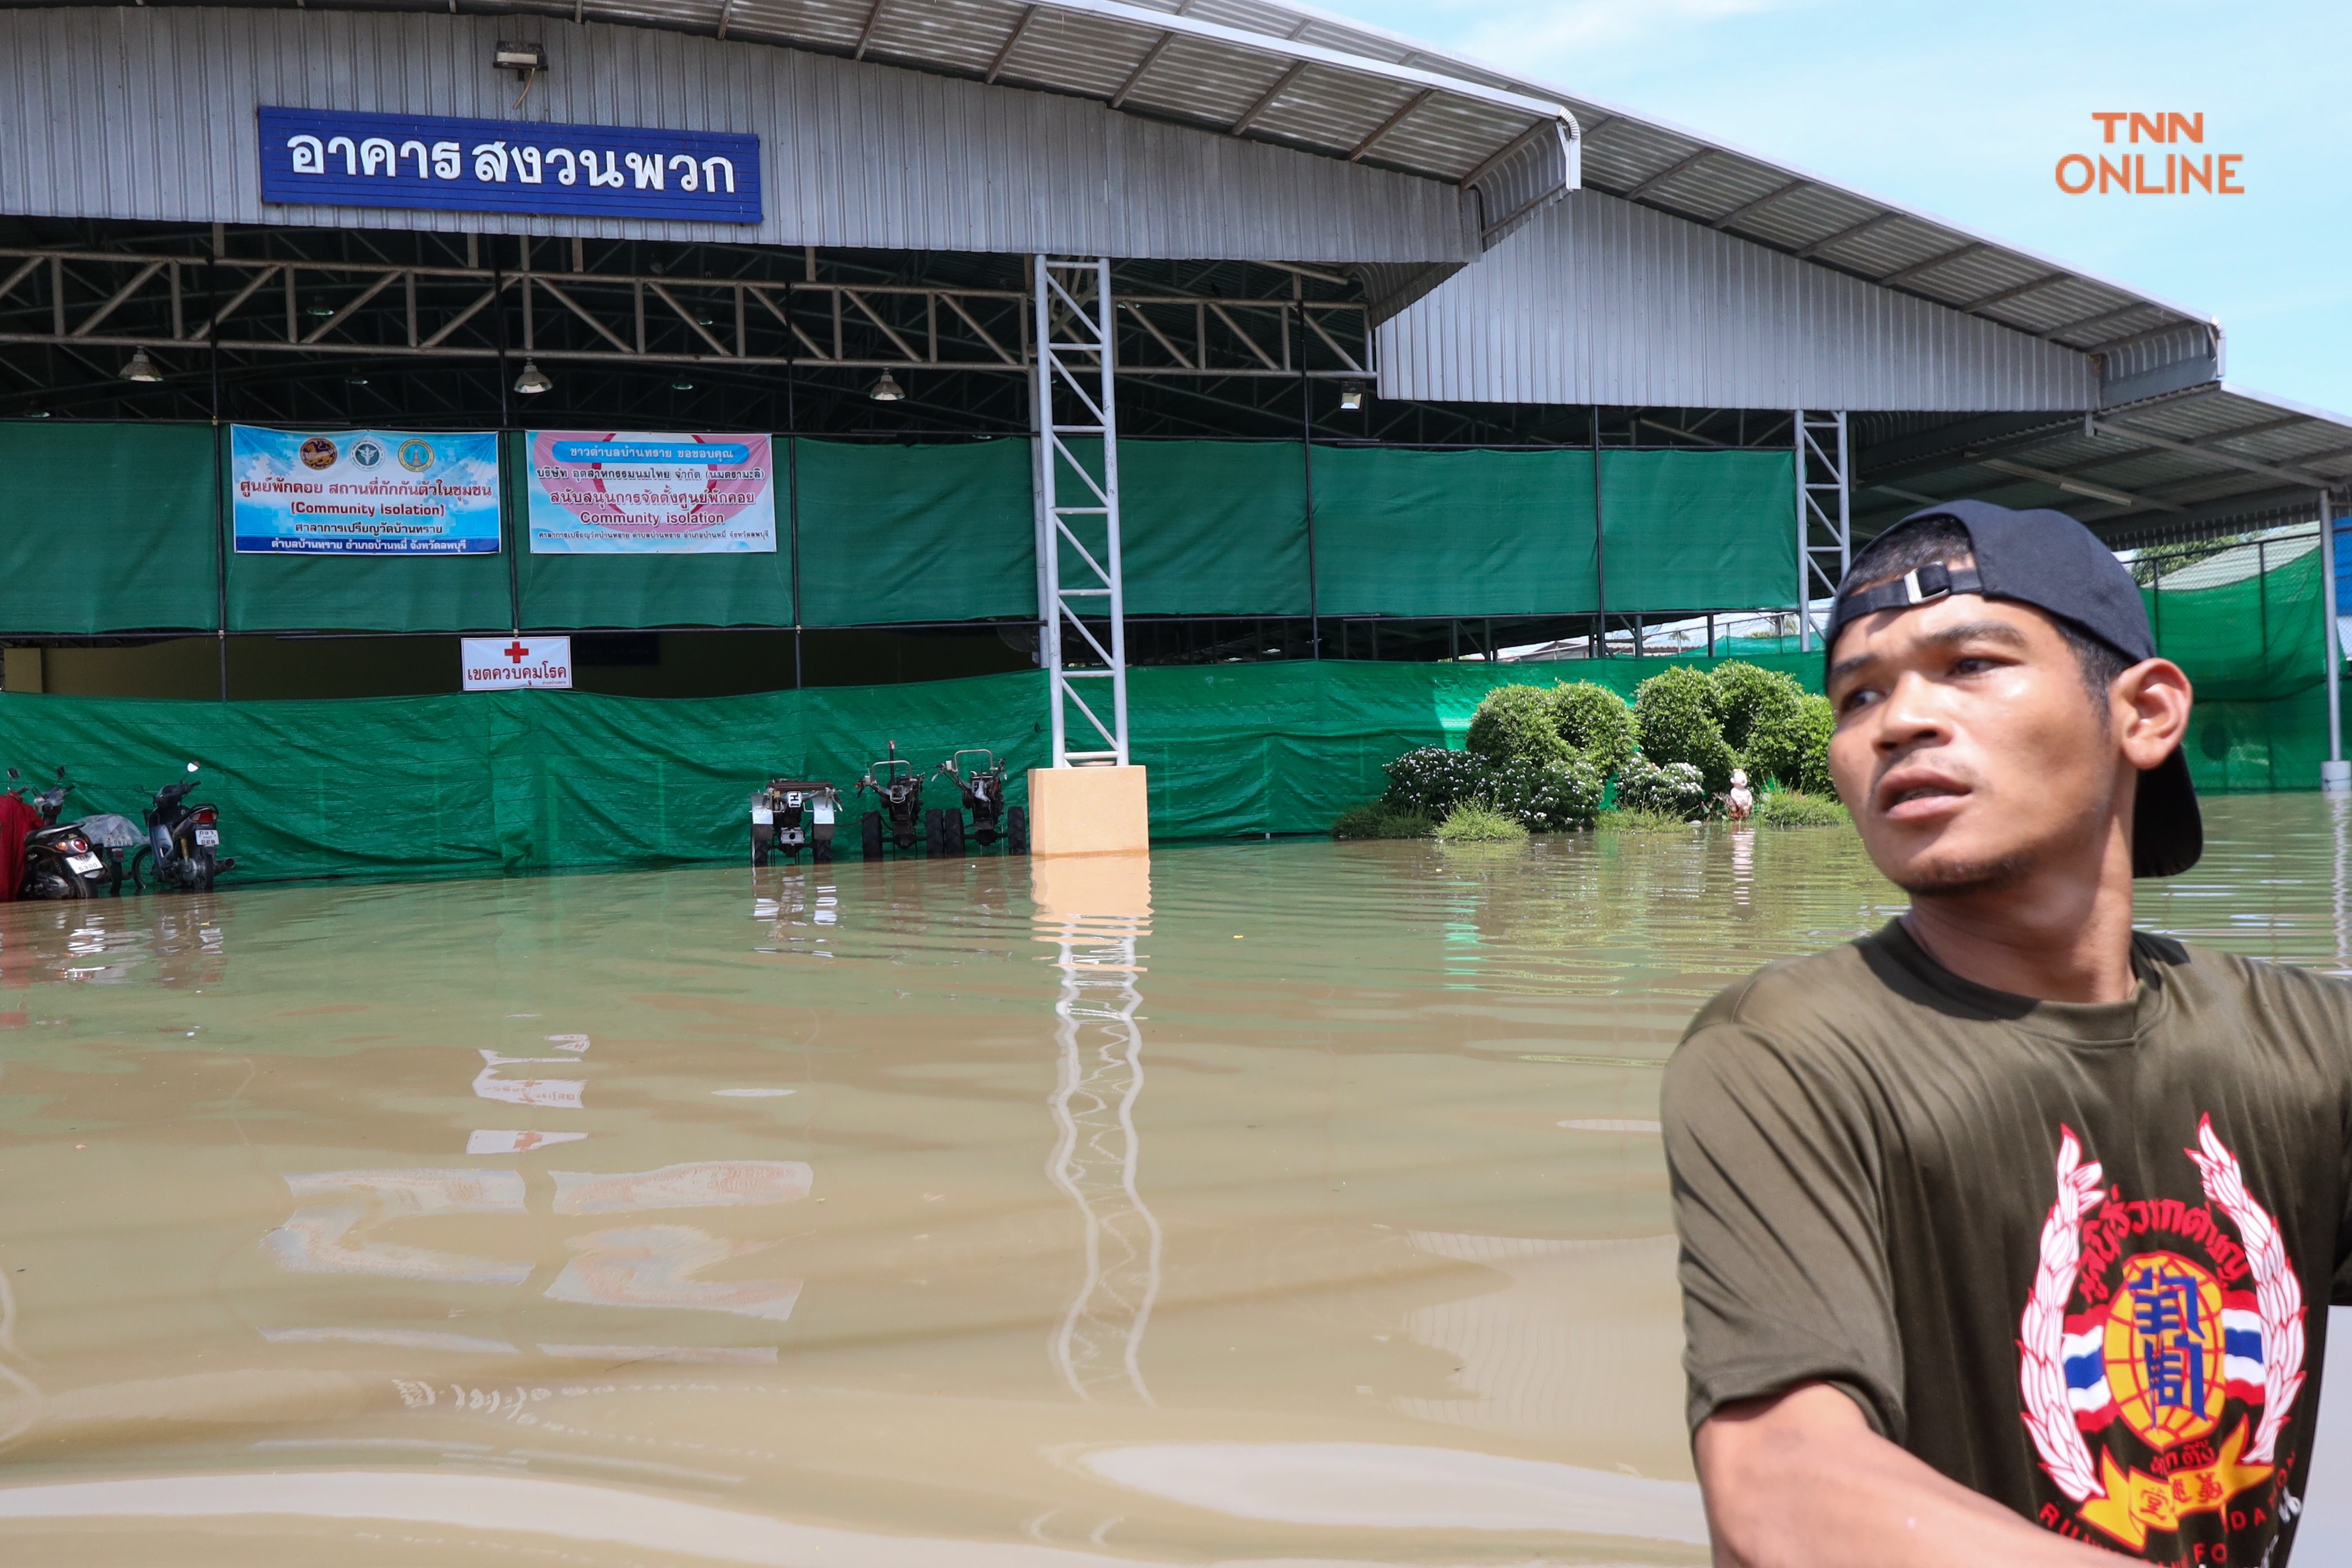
2049	561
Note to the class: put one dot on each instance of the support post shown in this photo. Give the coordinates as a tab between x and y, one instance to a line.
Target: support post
2334	775
1100	808
1076	345
1825	514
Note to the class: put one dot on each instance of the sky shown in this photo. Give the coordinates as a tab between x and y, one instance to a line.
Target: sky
1963	111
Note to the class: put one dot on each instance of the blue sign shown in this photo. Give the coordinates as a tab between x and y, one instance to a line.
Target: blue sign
329	158
362	492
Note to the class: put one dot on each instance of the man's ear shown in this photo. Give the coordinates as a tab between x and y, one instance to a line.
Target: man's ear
2148	706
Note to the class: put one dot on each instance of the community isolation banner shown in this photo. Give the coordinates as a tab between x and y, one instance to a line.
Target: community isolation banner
364	492
650	493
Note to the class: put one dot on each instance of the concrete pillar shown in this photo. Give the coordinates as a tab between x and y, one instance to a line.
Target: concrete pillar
1088	811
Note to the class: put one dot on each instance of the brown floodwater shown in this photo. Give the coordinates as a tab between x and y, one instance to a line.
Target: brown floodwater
1295	1204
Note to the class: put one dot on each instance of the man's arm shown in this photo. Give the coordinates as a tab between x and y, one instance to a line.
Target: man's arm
1801	1481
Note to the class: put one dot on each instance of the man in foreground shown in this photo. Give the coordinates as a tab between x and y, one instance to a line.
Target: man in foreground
2008	1233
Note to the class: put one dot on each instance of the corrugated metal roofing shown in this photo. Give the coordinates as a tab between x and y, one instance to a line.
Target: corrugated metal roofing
1604	300
1304	79
2207	457
148	114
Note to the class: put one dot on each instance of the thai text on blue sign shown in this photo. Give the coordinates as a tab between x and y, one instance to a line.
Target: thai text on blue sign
332	158
362	492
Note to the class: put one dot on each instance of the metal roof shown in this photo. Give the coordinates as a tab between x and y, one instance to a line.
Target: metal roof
1304	79
1325	84
2197	461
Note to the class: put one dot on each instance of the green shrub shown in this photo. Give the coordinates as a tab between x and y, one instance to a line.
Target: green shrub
1673	790
1472	822
1776	729
1756	705
1678	717
1595	722
1547	798
1818	720
1514	724
1795	808
1624	820
1376	820
1431	780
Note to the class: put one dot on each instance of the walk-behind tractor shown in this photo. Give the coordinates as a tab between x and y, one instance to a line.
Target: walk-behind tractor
983	785
793	815
898	790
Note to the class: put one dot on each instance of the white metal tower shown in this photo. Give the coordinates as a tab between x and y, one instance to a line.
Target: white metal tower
1077	545
1824	515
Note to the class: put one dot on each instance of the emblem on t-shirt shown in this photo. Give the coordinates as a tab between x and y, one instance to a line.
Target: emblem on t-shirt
2170	1332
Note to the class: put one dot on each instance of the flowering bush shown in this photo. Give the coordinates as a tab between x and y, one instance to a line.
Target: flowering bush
1672	789
1431	780
1547	797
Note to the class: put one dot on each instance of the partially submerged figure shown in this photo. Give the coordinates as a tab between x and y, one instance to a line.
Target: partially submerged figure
1741	800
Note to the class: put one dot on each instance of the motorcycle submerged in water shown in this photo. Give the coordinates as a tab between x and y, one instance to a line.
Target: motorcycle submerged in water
60	861
182	840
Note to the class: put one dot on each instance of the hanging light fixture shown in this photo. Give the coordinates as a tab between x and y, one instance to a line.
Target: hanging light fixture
681	384
141	368
1352	395
532	381
887	390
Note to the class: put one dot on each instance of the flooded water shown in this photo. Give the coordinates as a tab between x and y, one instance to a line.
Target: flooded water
1302	1204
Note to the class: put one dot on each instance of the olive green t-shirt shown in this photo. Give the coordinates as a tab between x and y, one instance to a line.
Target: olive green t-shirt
2075	1257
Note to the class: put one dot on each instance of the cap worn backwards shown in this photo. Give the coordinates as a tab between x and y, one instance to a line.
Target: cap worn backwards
2050	561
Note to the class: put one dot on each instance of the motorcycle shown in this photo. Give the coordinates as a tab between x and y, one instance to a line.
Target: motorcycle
182	840
60	862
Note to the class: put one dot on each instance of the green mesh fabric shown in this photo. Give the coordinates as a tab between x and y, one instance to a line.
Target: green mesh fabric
2246	626
936	532
479	785
1401	533
1693	529
107	528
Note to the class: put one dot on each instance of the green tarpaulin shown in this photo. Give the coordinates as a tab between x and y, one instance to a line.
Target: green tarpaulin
107	528
938	532
1717	525
537	781
1214	528
1401	532
900	533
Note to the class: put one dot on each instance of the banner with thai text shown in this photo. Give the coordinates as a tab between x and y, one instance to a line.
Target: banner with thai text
362	492
323	157
633	492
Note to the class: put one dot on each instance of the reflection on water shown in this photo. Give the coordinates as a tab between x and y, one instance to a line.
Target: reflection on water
1282	1203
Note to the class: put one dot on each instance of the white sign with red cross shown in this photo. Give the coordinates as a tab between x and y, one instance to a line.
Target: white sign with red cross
507	664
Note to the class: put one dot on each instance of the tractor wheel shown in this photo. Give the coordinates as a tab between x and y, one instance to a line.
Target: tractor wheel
869	832
934	832
1016	829
951	837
